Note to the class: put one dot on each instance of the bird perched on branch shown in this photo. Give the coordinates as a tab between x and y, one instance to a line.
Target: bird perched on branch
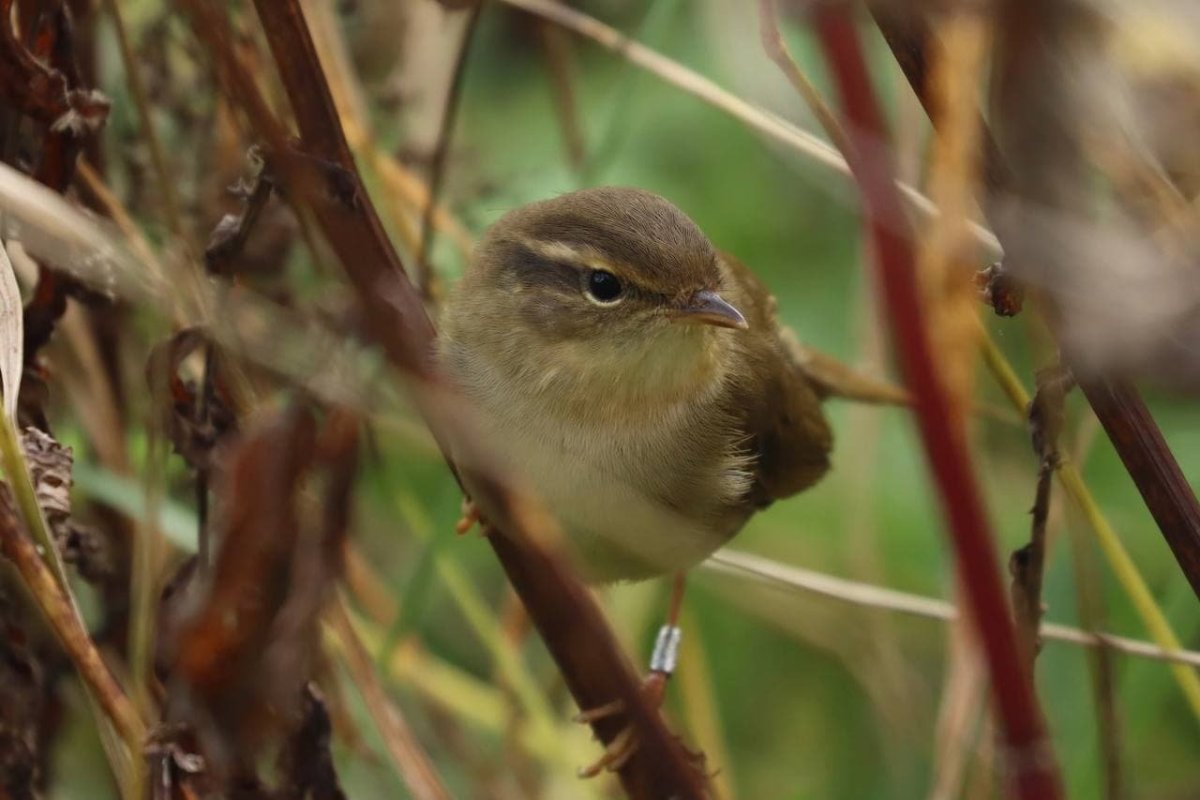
635	377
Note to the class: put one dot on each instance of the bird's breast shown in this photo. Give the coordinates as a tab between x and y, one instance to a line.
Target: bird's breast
654	494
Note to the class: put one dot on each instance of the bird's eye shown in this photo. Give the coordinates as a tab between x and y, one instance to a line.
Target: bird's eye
603	287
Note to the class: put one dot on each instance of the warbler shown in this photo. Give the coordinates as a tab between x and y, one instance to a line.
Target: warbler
634	377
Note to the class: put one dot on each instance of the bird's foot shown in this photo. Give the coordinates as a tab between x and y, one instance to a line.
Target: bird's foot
625	744
470	516
654	689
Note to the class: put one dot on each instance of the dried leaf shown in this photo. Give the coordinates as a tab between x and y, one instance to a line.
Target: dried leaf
12	334
193	423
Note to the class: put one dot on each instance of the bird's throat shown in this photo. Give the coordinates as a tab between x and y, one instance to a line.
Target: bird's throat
630	382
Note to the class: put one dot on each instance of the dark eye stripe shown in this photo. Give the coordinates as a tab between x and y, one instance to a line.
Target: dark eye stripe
532	270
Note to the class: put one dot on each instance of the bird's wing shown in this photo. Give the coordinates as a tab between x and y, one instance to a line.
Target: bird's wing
779	405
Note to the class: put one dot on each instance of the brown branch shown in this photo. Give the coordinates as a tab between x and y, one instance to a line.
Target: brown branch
19	549
592	663
1149	461
1031	763
1027	563
906	29
229	236
1118	405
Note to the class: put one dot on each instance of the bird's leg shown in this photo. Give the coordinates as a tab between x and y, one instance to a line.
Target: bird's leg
654	687
469	516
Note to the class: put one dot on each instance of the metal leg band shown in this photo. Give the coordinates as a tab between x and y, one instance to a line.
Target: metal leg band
666	649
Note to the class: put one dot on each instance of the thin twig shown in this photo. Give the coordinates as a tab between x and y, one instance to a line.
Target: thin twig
705	90
1027	564
410	758
1090	603
557	52
735	562
777	51
426	276
1118	557
1033	769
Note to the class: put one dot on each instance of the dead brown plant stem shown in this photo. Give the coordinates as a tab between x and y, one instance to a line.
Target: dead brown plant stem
557	51
1033	771
1028	563
19	549
1089	600
1150	463
412	762
754	118
777	51
426	275
567	617
1028	567
172	211
908	34
869	595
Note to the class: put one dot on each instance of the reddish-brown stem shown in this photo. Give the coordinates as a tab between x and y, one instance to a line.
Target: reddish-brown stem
324	179
1118	405
1030	761
1153	467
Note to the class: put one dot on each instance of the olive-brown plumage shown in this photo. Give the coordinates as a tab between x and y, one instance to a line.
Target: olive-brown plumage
633	376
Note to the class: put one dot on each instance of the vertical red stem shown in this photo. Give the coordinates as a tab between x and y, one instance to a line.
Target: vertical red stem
1029	761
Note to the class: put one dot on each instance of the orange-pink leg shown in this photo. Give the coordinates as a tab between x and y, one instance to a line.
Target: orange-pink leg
662	665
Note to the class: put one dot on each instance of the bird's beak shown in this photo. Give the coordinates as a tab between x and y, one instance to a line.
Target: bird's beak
709	308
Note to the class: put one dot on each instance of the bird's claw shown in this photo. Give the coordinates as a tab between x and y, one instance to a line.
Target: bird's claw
602	712
470	516
618	752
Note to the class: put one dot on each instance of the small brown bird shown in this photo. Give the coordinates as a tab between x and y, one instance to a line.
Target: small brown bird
634	376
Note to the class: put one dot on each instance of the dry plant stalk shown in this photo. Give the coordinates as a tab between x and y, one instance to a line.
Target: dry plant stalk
963	691
945	255
753	117
19	549
1031	764
867	595
410	757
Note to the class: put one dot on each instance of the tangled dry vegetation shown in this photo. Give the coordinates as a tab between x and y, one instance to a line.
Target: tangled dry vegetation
219	286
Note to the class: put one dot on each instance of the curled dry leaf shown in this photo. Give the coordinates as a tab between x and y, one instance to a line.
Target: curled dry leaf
240	641
50	467
224	253
43	93
193	423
